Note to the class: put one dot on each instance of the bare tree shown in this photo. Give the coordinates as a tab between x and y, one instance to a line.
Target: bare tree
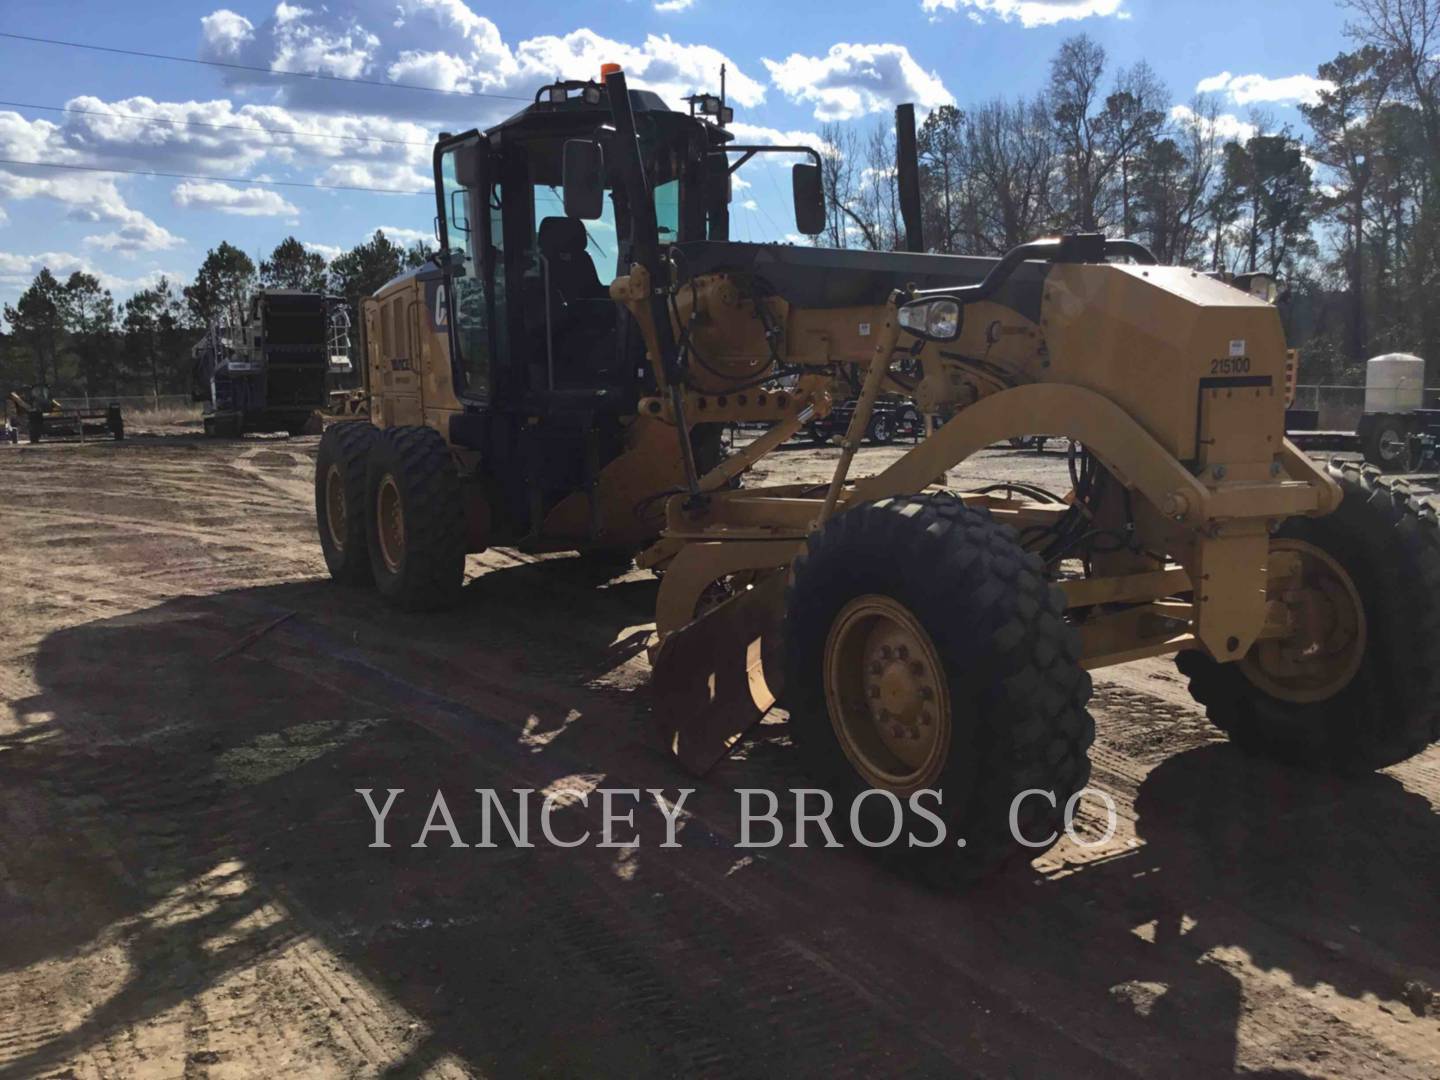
1010	153
840	174
879	198
1100	136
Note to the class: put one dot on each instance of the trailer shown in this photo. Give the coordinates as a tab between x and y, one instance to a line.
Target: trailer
1395	425
891	418
42	418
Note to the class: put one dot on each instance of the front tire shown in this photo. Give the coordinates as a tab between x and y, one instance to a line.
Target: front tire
1367	696
925	650
340	467
414	519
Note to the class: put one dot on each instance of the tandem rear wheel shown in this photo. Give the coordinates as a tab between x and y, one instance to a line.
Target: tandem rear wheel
340	467
1354	685
415	527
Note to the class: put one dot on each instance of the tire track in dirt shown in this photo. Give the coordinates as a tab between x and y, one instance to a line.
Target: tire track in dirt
1108	959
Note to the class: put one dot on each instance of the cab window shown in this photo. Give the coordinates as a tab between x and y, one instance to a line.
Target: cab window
667	211
601	241
467	305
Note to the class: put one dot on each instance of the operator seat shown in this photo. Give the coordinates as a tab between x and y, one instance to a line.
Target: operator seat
572	271
581	315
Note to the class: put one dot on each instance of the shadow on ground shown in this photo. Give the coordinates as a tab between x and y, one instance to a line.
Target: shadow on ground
201	814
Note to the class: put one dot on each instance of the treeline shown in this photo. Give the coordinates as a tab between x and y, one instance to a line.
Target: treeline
72	337
1345	211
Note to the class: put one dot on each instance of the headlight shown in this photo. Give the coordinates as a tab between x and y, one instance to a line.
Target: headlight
937	320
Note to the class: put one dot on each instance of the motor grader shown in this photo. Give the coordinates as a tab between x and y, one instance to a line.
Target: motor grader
921	638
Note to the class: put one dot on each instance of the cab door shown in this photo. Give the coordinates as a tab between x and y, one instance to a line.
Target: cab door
462	300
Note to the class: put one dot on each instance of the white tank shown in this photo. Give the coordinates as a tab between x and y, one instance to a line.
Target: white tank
1394	383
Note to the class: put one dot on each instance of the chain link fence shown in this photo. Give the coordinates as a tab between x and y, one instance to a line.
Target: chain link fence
1340	407
130	402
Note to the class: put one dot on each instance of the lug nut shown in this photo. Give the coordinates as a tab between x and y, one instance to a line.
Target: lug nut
902	652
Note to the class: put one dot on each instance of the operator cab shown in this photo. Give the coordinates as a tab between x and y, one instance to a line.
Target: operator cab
532	325
536	217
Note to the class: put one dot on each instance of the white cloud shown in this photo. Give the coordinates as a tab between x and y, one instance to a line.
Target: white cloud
1261	89
228	199
215	136
224	32
1228	126
854	80
17	271
671	69
87	196
750	204
673	5
137	234
1032	13
381	175
768	136
446	45
405	237
330	252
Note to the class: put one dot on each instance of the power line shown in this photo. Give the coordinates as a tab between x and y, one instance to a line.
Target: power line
255	68
213	179
204	124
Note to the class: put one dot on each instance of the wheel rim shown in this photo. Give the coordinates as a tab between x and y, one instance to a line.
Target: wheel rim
887	695
1393	444
390	519
335	506
1326	643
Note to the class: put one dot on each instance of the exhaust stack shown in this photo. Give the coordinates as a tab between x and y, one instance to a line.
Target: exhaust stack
907	176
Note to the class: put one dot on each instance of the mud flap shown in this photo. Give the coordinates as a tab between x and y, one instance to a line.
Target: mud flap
715	679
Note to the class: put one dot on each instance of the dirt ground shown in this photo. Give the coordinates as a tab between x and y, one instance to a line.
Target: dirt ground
186	886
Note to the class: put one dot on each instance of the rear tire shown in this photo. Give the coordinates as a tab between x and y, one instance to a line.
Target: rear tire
998	705
340	466
414	520
1389	546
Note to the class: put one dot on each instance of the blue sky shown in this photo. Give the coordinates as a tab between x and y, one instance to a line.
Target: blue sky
791	67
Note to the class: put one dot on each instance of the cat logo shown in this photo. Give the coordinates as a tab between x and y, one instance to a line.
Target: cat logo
438	306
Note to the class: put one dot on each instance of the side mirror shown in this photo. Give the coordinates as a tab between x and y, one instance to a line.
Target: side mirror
469	165
809	199
583	176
